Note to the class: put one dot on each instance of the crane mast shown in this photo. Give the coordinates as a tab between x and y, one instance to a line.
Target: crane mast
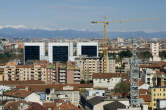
105	46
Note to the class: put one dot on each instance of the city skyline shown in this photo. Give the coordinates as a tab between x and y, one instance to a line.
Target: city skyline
77	14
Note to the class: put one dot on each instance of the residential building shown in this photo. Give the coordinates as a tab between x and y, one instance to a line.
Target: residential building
157	93
155	46
73	73
148	76
37	71
111	66
108	80
88	66
61	72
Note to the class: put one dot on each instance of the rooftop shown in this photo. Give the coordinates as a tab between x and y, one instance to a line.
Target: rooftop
109	75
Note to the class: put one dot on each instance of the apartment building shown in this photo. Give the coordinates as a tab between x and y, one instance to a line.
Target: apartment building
148	75
157	93
88	66
37	71
67	73
73	73
111	66
155	46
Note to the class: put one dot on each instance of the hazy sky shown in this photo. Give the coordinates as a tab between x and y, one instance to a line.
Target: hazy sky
77	14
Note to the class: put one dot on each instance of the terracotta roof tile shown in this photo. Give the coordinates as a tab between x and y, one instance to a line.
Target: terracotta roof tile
17	93
108	75
21	82
36	106
58	87
49	105
156	65
67	106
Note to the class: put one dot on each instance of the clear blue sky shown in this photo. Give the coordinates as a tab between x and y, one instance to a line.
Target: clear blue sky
77	14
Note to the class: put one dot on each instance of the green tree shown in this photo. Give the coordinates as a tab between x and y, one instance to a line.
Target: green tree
122	88
145	55
162	54
125	54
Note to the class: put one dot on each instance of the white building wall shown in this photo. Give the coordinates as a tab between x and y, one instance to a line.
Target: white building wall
95	92
111	66
162	104
106	83
33	98
149	76
155	51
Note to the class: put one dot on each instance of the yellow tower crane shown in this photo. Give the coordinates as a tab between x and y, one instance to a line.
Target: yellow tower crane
105	22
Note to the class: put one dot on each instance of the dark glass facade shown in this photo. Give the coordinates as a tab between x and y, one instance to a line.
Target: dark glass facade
60	53
32	53
90	51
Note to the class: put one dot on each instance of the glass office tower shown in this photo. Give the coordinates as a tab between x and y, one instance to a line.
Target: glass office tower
32	53
60	53
89	49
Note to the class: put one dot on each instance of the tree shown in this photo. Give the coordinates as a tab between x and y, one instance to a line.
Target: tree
162	54
122	88
125	54
145	55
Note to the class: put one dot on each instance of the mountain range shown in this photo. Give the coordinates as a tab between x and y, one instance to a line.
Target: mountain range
10	32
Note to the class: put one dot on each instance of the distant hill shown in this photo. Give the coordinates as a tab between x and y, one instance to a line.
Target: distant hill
41	33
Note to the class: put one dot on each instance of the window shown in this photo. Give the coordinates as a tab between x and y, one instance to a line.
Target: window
164	94
154	89
154	94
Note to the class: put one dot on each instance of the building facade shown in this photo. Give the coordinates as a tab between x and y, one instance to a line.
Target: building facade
87	48
155	46
34	51
60	51
88	66
157	93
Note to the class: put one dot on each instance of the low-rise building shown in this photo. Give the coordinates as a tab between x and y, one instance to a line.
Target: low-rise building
108	80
